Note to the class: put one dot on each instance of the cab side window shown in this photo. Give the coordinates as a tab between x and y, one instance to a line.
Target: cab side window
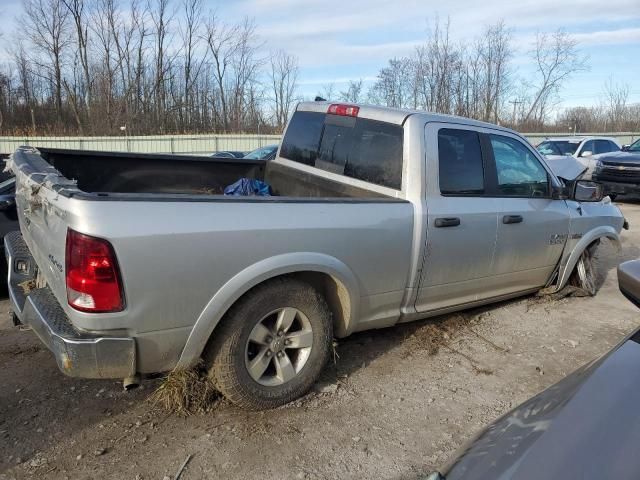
605	146
519	172
461	171
588	147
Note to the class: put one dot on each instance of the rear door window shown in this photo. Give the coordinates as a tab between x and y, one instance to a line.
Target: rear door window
355	147
461	171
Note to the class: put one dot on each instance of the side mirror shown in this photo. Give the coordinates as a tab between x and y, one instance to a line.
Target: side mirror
625	148
586	153
629	280
587	191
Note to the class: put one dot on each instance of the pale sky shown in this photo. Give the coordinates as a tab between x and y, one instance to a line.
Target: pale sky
339	40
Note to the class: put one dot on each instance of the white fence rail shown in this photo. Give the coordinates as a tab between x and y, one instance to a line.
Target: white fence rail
202	144
195	144
623	138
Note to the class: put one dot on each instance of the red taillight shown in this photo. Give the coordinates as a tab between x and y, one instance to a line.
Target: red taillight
93	277
344	110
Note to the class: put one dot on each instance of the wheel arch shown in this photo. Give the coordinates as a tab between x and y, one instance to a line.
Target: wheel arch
328	275
567	266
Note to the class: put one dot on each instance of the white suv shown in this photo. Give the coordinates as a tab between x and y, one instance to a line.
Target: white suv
583	149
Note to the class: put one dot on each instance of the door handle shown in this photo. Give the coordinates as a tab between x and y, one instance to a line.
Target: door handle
447	222
512	219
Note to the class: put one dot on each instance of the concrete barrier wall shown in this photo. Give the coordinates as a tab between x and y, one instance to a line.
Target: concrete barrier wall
201	144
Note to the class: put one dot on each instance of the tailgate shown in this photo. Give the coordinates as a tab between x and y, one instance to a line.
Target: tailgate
43	214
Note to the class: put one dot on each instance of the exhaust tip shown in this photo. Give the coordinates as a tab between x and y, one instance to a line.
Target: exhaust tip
131	383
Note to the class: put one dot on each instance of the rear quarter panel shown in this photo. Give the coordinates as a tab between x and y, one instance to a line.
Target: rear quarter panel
174	256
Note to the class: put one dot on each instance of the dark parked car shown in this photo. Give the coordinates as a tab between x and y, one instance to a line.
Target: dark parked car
619	172
229	154
584	427
8	215
263	153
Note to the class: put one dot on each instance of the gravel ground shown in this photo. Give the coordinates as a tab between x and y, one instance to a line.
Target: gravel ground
395	404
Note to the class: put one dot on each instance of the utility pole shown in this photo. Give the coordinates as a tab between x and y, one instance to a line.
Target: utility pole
515	104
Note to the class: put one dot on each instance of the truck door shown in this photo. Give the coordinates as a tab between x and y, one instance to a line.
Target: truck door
532	227
461	219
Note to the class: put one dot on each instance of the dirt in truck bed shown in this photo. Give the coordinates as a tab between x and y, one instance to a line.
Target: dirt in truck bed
395	404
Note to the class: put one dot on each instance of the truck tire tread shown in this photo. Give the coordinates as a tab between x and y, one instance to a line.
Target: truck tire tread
224	355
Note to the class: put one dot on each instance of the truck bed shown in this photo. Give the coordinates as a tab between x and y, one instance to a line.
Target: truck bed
112	173
182	248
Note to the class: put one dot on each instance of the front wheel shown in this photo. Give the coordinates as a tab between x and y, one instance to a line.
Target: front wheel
272	345
584	275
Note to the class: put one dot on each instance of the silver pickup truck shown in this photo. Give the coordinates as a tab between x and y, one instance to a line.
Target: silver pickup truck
129	264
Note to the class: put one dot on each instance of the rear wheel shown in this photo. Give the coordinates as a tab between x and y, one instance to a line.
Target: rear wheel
272	345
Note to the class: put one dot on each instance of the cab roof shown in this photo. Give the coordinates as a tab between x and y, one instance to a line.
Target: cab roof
397	115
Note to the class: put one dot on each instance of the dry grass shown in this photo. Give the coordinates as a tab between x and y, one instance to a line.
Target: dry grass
185	392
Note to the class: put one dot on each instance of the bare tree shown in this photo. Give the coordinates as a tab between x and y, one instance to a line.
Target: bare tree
394	87
328	91
220	40
284	77
556	59
354	92
494	51
46	24
616	97
191	37
78	11
161	18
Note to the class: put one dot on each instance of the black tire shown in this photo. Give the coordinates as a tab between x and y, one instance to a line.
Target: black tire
226	352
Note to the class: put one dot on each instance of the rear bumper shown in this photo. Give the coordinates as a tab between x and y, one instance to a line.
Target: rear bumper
78	354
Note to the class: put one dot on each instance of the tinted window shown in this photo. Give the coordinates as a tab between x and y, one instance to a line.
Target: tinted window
520	174
376	153
303	137
460	162
605	146
588	147
355	147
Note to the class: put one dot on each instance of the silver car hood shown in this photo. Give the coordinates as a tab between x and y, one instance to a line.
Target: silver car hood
565	167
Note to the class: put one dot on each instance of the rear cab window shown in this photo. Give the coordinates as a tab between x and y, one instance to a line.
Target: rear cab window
359	148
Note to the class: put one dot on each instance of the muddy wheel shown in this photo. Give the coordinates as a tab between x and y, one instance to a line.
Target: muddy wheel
272	345
584	275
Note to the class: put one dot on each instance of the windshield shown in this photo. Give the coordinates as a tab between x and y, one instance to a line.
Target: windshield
635	146
558	147
260	153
